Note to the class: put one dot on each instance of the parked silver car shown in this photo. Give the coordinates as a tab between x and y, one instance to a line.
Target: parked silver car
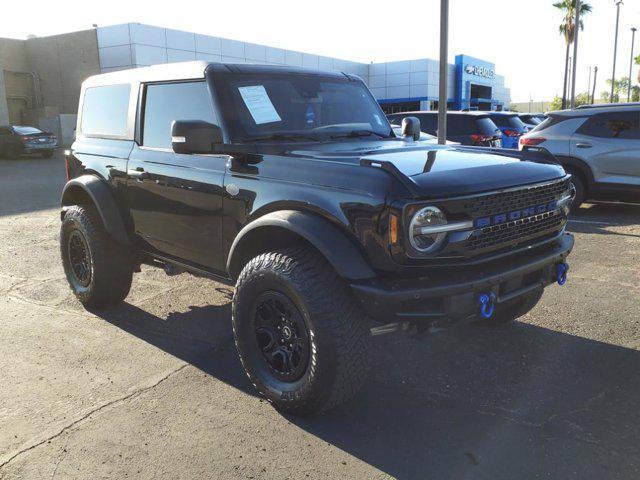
599	145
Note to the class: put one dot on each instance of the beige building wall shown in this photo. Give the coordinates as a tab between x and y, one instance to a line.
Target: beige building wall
13	87
62	63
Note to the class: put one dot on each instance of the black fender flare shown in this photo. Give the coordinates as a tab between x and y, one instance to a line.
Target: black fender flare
340	251
101	197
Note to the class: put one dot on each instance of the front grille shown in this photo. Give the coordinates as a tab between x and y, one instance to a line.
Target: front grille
508	201
515	231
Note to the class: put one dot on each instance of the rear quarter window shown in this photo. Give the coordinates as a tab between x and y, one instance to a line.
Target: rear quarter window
623	125
105	110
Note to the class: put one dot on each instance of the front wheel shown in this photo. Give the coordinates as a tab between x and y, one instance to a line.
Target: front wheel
302	340
99	270
581	192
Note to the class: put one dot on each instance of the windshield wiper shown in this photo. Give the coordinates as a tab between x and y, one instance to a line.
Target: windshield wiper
359	133
284	136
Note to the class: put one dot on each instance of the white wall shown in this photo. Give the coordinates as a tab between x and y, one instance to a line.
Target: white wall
134	45
408	79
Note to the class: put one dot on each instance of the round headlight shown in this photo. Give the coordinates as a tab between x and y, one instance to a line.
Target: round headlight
421	236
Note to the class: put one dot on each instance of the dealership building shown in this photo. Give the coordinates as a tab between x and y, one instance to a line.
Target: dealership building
40	77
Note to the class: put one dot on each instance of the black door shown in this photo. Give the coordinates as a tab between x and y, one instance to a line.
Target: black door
175	199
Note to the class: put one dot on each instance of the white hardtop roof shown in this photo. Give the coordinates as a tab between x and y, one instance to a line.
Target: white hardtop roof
161	72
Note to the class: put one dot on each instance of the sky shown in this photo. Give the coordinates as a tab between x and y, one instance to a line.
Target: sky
520	36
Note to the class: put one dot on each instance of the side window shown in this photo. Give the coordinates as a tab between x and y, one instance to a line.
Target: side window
105	110
624	125
167	102
428	123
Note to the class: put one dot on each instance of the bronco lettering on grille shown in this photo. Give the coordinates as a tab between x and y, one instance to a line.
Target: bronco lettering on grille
514	215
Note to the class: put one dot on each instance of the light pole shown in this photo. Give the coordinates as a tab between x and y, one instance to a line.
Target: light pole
444	67
615	49
633	39
589	86
576	29
595	78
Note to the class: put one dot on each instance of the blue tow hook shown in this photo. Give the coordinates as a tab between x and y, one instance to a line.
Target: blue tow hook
561	273
487	304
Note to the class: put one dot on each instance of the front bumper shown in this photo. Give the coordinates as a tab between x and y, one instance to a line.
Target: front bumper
454	294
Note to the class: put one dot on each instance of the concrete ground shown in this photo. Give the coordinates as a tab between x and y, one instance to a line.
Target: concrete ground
153	389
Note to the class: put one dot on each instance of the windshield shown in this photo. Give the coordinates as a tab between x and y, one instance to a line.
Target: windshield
290	106
26	130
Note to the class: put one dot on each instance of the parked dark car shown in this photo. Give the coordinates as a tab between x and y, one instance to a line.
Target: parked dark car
291	185
17	140
466	128
511	126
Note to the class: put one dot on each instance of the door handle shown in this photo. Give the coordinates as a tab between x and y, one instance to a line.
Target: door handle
583	145
139	174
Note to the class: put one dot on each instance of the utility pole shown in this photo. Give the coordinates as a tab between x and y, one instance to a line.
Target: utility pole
595	78
615	49
589	86
576	30
633	39
444	67
569	82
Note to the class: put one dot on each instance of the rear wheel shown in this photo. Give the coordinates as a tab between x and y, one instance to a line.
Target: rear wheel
302	340
99	270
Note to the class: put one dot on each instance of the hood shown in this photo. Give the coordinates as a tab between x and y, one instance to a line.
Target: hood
441	171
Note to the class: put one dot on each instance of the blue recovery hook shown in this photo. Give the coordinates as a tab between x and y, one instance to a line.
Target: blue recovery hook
487	304
561	272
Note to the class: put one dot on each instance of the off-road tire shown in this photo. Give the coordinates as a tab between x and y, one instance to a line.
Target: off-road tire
339	333
111	266
510	311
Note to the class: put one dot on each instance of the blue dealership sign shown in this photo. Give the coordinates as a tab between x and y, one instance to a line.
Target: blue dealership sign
474	72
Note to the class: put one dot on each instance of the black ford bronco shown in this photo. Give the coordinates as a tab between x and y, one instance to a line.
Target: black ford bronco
291	185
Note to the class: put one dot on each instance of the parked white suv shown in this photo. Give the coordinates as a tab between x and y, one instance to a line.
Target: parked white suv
599	145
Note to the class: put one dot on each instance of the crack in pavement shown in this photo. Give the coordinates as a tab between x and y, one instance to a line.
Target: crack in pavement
84	417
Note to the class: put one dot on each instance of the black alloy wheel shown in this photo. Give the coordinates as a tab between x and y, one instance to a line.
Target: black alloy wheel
281	335
79	259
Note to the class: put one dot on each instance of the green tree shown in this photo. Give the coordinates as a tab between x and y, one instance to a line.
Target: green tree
620	88
581	99
567	30
556	103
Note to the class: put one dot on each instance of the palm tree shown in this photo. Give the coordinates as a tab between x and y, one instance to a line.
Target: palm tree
567	30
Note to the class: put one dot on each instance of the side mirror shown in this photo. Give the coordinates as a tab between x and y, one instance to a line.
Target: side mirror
411	127
194	136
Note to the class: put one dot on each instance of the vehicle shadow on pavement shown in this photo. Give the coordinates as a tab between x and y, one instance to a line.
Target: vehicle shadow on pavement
518	401
201	336
598	218
515	402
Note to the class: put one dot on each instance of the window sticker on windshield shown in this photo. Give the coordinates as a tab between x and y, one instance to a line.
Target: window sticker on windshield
378	119
259	104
